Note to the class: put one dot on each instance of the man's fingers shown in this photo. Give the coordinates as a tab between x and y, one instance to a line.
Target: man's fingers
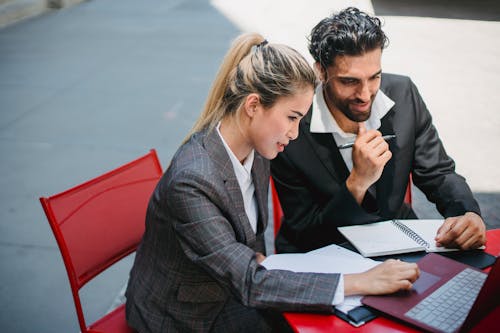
444	229
446	225
463	232
378	146
468	243
470	237
367	137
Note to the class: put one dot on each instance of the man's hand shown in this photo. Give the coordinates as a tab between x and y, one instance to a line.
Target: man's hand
465	232
370	154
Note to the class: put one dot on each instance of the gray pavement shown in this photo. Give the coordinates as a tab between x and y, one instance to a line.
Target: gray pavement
84	90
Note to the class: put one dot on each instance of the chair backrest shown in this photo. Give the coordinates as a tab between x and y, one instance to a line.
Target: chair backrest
407	198
278	211
102	220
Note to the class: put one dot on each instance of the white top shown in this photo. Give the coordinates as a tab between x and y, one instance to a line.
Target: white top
244	176
322	120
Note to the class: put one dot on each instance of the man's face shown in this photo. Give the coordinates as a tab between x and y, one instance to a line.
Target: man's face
351	83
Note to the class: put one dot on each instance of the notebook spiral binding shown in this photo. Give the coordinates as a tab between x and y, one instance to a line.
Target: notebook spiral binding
410	233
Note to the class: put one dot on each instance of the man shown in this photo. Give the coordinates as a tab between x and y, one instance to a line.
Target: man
322	187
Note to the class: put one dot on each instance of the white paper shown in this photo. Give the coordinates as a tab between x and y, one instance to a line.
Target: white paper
329	259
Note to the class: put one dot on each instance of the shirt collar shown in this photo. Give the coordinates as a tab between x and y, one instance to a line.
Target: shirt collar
242	171
322	120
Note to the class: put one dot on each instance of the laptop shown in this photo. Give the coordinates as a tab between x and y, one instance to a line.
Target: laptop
447	297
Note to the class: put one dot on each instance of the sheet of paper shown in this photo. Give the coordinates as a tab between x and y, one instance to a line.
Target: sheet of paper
330	259
335	250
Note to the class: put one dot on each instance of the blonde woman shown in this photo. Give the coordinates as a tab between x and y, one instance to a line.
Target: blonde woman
197	268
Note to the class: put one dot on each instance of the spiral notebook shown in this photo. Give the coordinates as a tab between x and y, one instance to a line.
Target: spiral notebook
394	237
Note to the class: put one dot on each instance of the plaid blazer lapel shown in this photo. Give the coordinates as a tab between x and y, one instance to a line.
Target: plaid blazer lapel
215	147
260	176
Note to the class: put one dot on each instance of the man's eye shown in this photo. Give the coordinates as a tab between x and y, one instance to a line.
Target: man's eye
292	118
348	81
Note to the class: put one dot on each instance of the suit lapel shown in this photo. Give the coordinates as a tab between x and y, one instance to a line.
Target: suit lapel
261	183
215	147
385	184
324	145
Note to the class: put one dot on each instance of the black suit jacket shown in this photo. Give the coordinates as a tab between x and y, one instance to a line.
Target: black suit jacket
310	176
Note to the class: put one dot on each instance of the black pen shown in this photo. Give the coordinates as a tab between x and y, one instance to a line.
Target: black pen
350	144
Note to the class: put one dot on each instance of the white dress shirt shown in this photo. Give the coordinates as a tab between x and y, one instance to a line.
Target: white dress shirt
322	121
244	176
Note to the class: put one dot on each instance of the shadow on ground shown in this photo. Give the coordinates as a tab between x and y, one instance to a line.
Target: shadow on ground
488	202
490	208
484	10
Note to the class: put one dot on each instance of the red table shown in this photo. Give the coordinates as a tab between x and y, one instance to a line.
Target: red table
312	323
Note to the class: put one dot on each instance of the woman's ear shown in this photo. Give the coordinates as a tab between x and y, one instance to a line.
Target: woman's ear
252	101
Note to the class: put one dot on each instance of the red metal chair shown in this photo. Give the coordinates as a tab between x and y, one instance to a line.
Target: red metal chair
407	198
100	222
278	211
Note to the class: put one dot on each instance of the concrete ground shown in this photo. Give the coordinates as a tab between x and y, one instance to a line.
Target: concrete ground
88	88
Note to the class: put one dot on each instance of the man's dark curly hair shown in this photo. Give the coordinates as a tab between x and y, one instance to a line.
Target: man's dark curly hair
349	32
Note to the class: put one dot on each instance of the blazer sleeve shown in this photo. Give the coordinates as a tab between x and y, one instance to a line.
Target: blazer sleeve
433	170
209	240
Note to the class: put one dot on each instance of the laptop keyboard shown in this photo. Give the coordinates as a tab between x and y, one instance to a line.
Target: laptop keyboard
447	307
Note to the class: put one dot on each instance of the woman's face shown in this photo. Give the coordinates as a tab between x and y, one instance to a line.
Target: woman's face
273	128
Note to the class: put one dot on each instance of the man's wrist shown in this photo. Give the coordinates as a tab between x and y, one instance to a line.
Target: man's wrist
357	190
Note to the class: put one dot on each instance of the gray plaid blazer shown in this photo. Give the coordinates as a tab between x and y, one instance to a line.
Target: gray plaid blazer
195	270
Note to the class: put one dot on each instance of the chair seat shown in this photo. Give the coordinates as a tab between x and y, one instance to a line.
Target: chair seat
113	322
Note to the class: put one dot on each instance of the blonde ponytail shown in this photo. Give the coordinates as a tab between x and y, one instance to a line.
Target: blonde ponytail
253	66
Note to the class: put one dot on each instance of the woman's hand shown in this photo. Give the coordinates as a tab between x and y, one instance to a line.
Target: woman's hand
259	257
386	278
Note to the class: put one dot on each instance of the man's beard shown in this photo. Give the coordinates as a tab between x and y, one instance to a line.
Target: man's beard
343	106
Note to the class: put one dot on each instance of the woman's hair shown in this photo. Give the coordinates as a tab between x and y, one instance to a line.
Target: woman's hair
350	32
252	65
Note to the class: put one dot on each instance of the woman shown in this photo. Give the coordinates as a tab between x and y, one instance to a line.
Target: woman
197	268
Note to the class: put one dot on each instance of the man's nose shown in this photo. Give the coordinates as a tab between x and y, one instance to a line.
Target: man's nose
364	92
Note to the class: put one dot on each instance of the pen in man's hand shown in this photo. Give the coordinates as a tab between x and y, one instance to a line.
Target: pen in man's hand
350	144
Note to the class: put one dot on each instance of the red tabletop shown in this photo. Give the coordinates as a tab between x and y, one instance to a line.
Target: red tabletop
312	323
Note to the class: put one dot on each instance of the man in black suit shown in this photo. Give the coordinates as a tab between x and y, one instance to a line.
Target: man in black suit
322	187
